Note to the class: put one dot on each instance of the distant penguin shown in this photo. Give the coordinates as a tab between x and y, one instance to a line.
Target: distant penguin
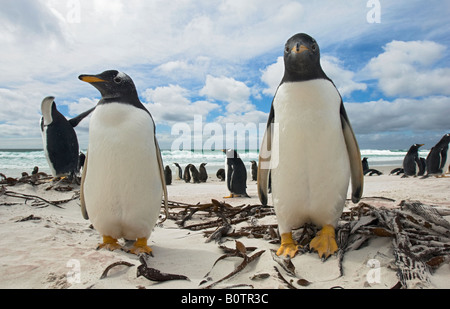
254	170
438	160
411	162
203	176
309	150
397	171
194	173
235	174
168	175
221	174
187	174
180	172
59	139
367	170
123	180
422	166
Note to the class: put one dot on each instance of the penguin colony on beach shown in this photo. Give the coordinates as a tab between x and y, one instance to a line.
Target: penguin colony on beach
307	125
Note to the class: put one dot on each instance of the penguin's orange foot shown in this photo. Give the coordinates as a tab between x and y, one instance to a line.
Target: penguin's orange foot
288	246
109	243
230	196
324	243
140	246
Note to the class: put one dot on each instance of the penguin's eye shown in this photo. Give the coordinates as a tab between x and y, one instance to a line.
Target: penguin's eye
314	47
117	80
287	49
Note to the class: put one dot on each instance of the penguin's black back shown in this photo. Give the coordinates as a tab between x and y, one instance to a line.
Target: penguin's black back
62	144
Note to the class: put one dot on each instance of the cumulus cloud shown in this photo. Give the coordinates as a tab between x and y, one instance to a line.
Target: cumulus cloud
406	68
342	78
404	114
171	104
235	93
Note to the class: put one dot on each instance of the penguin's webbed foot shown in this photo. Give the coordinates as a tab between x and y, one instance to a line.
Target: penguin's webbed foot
288	246
230	196
109	243
324	243
140	247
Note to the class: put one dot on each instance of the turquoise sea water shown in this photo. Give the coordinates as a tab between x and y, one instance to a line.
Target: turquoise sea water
15	161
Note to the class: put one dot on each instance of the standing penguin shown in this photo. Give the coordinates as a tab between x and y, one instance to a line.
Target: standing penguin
180	172
254	170
122	145
438	160
203	176
235	174
411	162
187	173
194	173
168	175
307	125
60	139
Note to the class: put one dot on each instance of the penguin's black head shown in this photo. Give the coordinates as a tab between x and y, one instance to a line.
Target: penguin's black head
415	147
302	59
113	85
231	153
49	111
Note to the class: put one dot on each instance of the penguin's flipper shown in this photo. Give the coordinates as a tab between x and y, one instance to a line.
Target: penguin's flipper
83	203
163	178
76	120
229	178
354	155
264	161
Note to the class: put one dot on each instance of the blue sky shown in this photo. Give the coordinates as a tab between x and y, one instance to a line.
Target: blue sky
221	60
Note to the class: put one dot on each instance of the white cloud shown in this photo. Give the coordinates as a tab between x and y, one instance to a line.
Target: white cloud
400	115
172	104
406	68
272	76
342	78
235	93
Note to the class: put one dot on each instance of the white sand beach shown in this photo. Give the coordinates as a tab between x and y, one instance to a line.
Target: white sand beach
43	246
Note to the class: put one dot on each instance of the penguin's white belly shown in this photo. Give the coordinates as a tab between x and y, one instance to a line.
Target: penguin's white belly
447	163
47	156
122	188
311	175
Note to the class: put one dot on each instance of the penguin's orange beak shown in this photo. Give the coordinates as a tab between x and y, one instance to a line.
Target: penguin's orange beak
299	49
91	79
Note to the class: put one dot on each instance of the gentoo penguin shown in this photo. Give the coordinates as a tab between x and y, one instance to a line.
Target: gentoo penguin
168	175
122	145
221	174
254	170
235	174
438	159
180	172
187	173
194	173
367	170
307	125
59	139
411	162
203	174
